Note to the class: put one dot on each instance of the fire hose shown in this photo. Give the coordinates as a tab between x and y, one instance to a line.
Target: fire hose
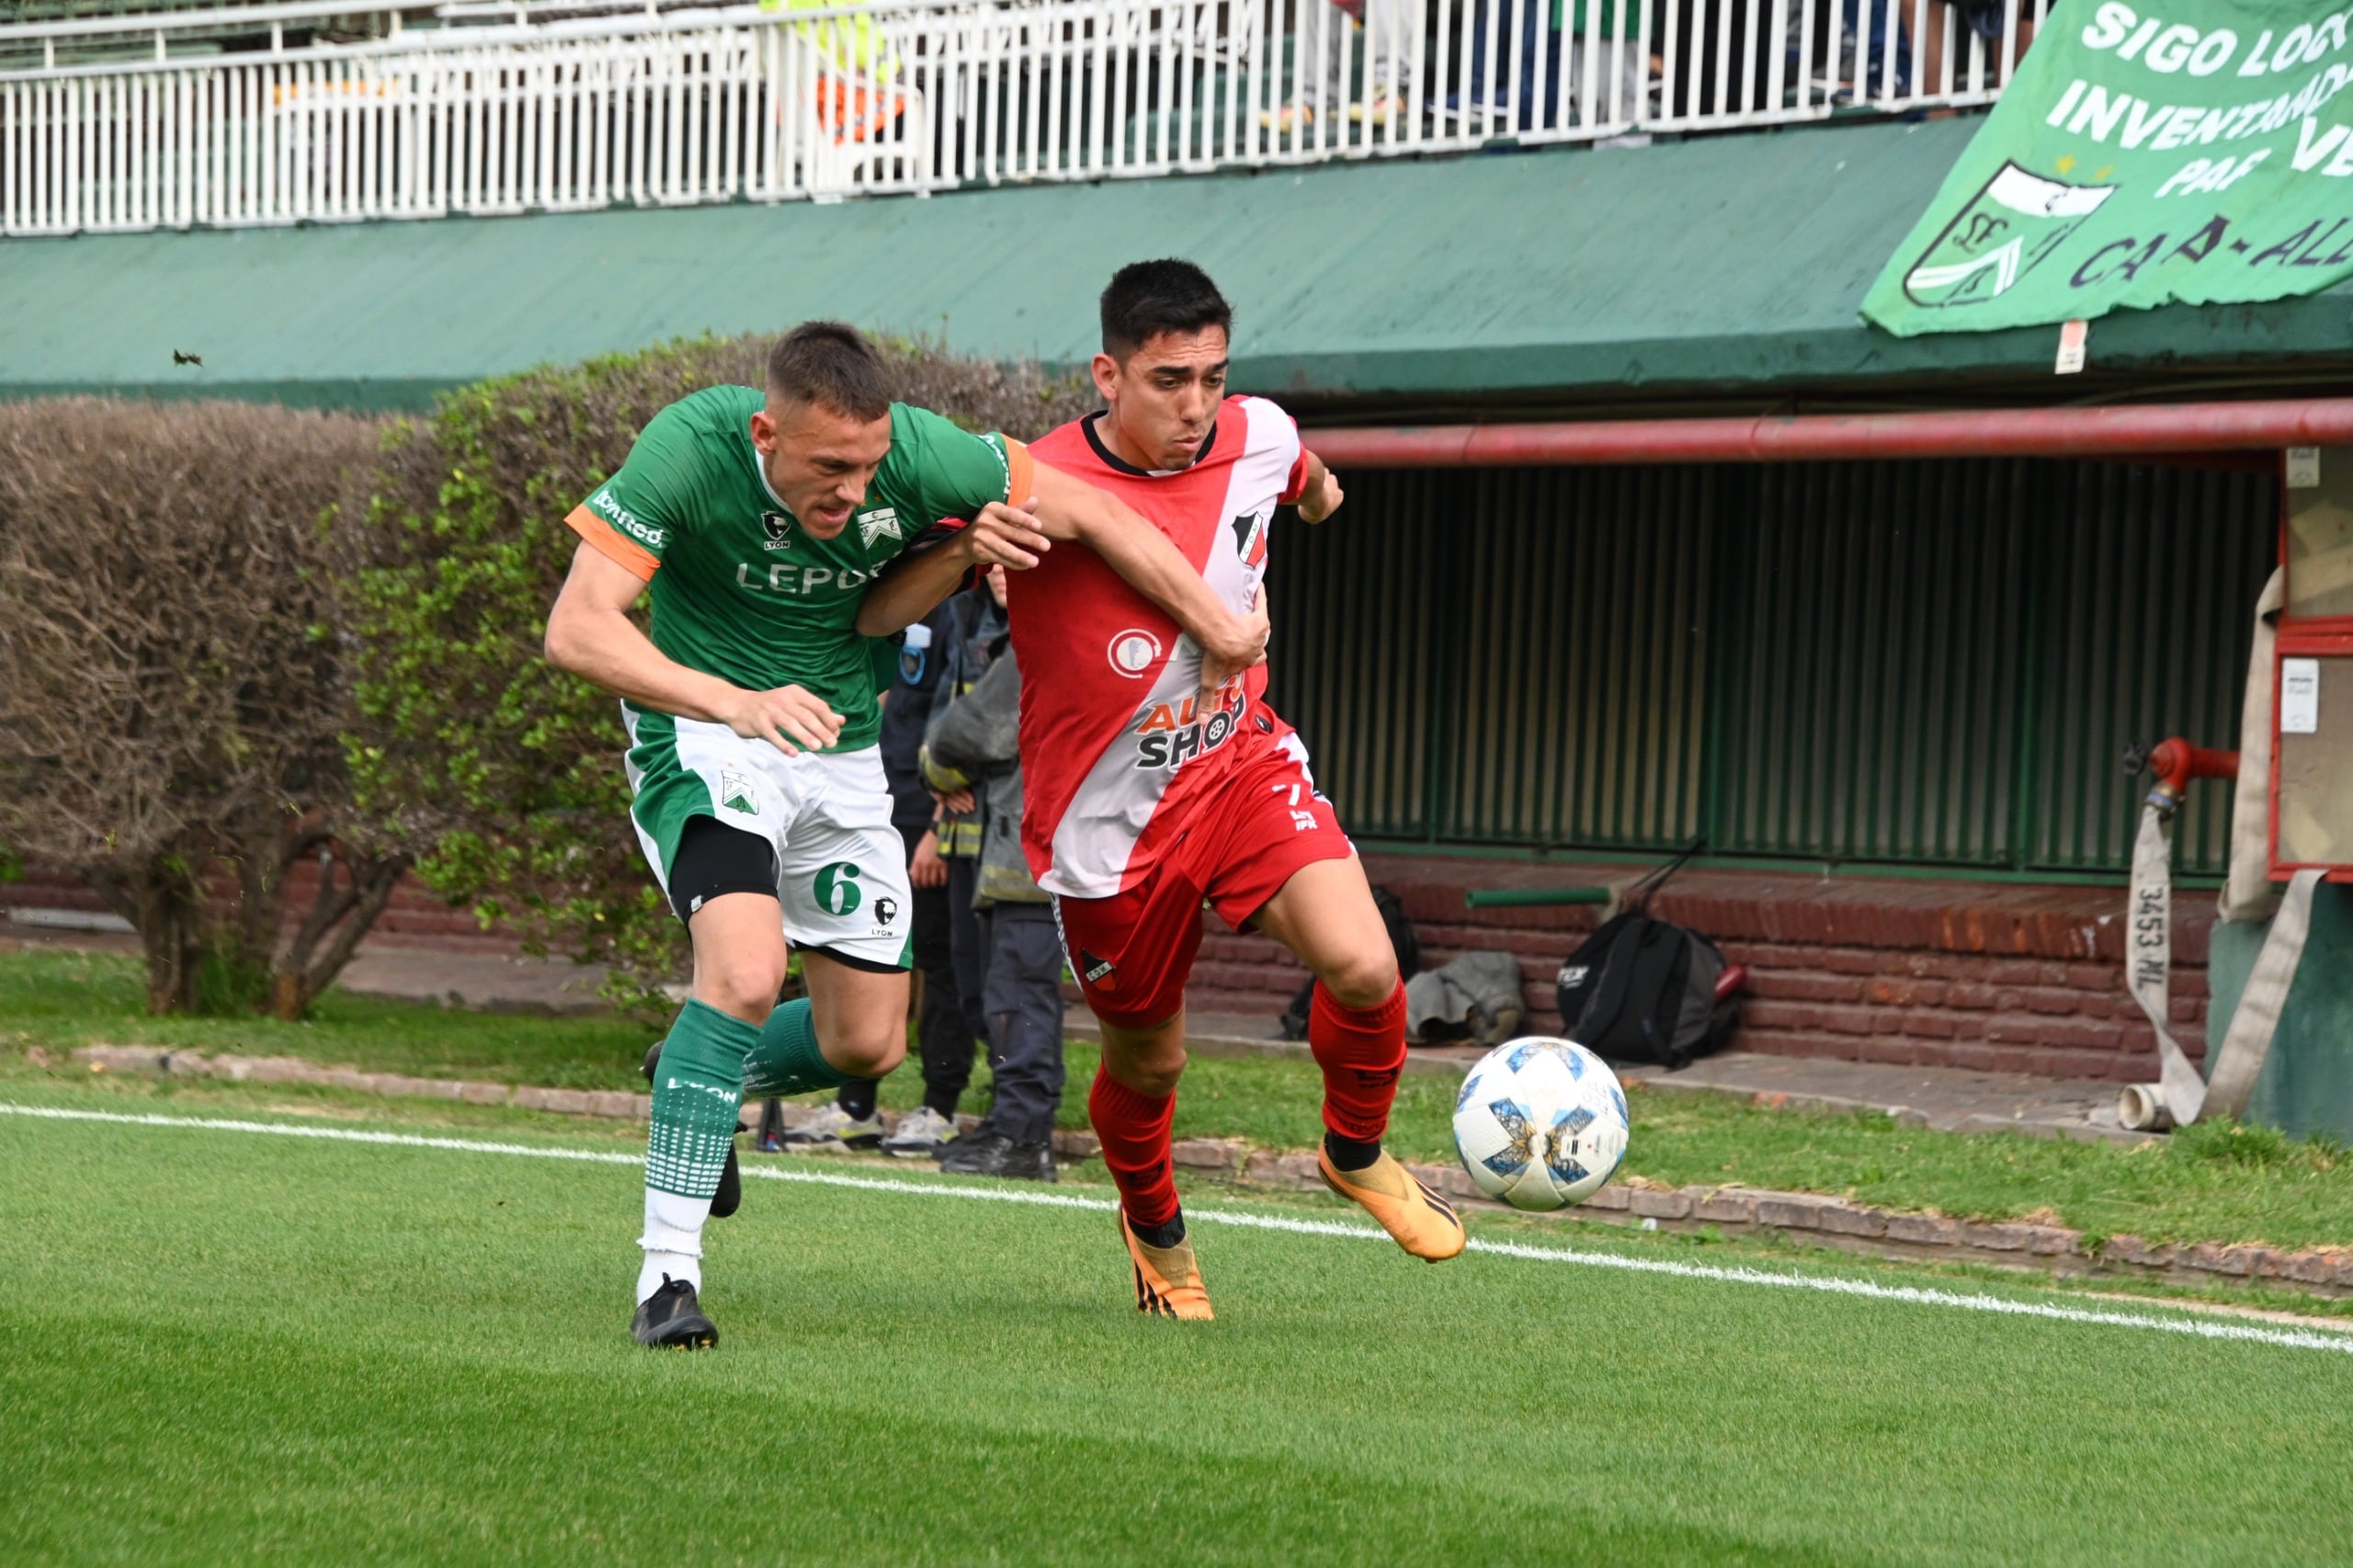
2180	1096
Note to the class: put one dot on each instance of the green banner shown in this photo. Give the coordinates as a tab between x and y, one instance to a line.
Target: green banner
2141	157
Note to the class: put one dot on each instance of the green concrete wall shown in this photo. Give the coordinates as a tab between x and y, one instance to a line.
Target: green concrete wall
2306	1087
1726	263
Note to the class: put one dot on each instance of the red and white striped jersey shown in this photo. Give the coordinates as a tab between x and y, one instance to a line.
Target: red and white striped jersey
1114	747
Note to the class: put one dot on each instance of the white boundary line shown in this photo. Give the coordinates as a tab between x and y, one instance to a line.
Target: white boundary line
2295	1340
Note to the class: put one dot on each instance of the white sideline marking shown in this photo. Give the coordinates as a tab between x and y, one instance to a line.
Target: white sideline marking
2295	1340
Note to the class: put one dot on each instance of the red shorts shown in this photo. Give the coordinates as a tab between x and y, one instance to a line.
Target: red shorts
1133	952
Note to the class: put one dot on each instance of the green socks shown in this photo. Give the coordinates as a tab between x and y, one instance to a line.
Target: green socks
786	1059
696	1091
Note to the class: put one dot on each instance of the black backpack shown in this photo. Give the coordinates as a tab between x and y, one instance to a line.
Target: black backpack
1408	947
1645	990
1641	989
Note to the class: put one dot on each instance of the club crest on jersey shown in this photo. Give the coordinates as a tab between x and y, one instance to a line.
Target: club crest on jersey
873	525
1134	651
1173	734
779	527
1250	539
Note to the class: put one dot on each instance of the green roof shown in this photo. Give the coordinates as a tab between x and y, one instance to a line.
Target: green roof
1730	264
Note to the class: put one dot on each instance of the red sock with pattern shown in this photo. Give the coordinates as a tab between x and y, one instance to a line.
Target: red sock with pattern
1361	1051
1133	1128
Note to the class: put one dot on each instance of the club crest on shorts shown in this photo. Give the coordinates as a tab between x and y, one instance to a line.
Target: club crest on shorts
1134	651
1099	971
735	793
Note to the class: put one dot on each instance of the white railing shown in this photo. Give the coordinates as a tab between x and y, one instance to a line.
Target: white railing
764	105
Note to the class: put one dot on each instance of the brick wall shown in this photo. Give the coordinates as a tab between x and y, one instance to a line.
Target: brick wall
1945	973
414	918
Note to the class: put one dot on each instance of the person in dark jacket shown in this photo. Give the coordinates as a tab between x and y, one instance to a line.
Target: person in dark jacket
972	758
944	1041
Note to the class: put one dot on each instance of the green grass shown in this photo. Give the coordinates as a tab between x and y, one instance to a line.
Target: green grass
60	998
225	1345
2214	1183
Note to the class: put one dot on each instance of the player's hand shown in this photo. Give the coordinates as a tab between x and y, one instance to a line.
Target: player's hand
1005	534
956	802
789	717
1243	647
925	867
1322	501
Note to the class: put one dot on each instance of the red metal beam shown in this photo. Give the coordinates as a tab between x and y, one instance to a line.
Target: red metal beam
2152	431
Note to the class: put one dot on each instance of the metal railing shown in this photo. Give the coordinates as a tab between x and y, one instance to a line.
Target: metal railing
565	112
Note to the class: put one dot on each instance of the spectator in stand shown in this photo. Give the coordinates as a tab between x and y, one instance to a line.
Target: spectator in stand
944	1041
1936	21
1005	926
1392	54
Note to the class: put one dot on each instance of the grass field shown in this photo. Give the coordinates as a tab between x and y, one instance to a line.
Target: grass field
223	1343
2214	1183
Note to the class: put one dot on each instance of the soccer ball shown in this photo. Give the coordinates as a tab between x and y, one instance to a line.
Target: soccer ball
1540	1123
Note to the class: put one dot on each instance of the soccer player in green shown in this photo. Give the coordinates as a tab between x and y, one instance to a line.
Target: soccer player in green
757	520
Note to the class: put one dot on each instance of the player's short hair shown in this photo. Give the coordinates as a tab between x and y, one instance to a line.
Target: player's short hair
831	363
1147	298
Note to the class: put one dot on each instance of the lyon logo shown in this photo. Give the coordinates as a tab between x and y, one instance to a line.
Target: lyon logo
1134	652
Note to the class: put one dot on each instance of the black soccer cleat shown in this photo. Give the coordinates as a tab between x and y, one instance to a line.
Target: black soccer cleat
671	1319
730	1195
984	1153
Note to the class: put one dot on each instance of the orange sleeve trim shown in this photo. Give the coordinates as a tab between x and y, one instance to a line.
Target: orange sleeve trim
1021	470
640	562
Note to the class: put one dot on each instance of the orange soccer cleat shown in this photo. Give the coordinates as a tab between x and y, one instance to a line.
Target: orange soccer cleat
1420	1220
1168	1282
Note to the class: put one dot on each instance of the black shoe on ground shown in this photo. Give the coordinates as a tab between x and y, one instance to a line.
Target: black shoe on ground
671	1319
994	1154
730	1195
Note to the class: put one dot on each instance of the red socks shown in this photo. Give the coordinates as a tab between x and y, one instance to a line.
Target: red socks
1361	1051
1135	1131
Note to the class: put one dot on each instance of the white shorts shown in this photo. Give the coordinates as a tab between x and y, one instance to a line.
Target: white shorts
842	867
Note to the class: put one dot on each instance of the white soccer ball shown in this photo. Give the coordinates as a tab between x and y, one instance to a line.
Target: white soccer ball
1540	1123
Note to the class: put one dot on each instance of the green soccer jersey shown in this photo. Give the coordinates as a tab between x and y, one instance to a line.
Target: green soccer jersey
739	589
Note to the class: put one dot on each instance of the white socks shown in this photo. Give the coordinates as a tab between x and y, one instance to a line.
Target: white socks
673	1241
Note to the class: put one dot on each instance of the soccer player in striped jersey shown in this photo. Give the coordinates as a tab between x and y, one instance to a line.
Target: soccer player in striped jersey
1147	796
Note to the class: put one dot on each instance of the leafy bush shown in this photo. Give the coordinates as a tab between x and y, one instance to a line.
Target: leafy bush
172	690
464	735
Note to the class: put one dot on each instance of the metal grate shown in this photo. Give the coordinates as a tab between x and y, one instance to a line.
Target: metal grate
1583	657
1870	711
2149	616
1356	646
1925	662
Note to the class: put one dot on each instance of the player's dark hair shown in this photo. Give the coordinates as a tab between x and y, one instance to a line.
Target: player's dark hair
1147	298
830	363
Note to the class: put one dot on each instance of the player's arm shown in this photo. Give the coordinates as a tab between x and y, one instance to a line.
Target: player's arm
591	635
1318	496
1072	509
999	536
